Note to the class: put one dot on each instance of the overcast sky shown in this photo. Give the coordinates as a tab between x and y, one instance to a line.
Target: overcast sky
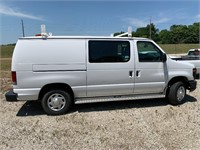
91	17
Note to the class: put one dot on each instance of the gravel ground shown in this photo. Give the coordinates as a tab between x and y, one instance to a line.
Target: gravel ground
143	124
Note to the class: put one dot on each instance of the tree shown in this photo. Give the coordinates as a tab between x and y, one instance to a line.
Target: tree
118	33
141	32
154	32
177	34
165	37
193	33
145	32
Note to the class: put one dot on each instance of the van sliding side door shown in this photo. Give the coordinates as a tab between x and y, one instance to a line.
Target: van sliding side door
110	68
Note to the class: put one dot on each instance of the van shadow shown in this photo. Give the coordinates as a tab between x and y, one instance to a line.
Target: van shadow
197	77
34	108
31	108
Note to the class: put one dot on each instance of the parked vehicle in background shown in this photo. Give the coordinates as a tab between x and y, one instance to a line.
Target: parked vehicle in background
193	57
193	54
63	70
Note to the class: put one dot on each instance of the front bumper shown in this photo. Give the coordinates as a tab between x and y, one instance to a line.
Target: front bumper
192	85
11	96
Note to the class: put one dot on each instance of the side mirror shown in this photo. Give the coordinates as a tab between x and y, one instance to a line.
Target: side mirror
164	57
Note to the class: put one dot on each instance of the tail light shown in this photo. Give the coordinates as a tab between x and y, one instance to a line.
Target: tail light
194	72
14	77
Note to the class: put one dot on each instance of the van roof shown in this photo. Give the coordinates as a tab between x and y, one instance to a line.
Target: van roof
83	37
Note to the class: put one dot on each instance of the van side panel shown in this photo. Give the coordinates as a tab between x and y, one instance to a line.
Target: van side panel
39	62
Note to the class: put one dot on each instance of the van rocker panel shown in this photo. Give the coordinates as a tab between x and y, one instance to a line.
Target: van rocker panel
117	98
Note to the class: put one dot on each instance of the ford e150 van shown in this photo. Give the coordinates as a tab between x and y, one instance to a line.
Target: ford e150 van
63	70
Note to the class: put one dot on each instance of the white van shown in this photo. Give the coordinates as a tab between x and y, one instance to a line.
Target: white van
64	70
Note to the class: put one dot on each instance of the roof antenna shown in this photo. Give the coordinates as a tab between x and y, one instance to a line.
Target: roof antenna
43	31
129	31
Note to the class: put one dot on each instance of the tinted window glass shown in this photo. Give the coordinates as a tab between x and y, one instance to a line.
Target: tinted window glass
109	51
148	52
195	52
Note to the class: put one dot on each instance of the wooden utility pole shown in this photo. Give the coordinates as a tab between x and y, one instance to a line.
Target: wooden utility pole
23	28
150	28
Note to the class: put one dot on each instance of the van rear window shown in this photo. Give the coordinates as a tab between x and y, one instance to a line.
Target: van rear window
109	51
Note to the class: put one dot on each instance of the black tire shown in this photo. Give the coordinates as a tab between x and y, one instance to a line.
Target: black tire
177	93
56	102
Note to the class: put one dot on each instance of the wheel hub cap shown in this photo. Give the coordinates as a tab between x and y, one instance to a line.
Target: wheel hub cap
181	93
56	102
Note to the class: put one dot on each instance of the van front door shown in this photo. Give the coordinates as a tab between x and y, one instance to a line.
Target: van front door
109	68
149	71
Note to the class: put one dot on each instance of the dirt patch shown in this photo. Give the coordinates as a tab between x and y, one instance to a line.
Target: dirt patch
142	124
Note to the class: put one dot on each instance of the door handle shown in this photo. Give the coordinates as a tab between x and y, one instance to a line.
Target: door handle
138	73
130	74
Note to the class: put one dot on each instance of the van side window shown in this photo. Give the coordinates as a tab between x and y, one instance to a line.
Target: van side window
109	51
148	52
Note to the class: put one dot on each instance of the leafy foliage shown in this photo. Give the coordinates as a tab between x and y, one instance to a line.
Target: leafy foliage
176	35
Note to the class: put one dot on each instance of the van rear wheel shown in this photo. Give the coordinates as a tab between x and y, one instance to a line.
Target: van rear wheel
56	102
177	93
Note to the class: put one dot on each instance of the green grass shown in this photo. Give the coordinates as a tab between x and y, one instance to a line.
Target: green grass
178	48
5	65
6	51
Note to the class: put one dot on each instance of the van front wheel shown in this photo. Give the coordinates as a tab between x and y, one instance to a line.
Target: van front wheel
177	93
56	102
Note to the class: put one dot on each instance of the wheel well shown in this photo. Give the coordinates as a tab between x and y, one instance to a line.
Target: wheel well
176	79
55	86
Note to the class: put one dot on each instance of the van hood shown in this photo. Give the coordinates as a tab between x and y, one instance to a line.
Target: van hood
173	64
